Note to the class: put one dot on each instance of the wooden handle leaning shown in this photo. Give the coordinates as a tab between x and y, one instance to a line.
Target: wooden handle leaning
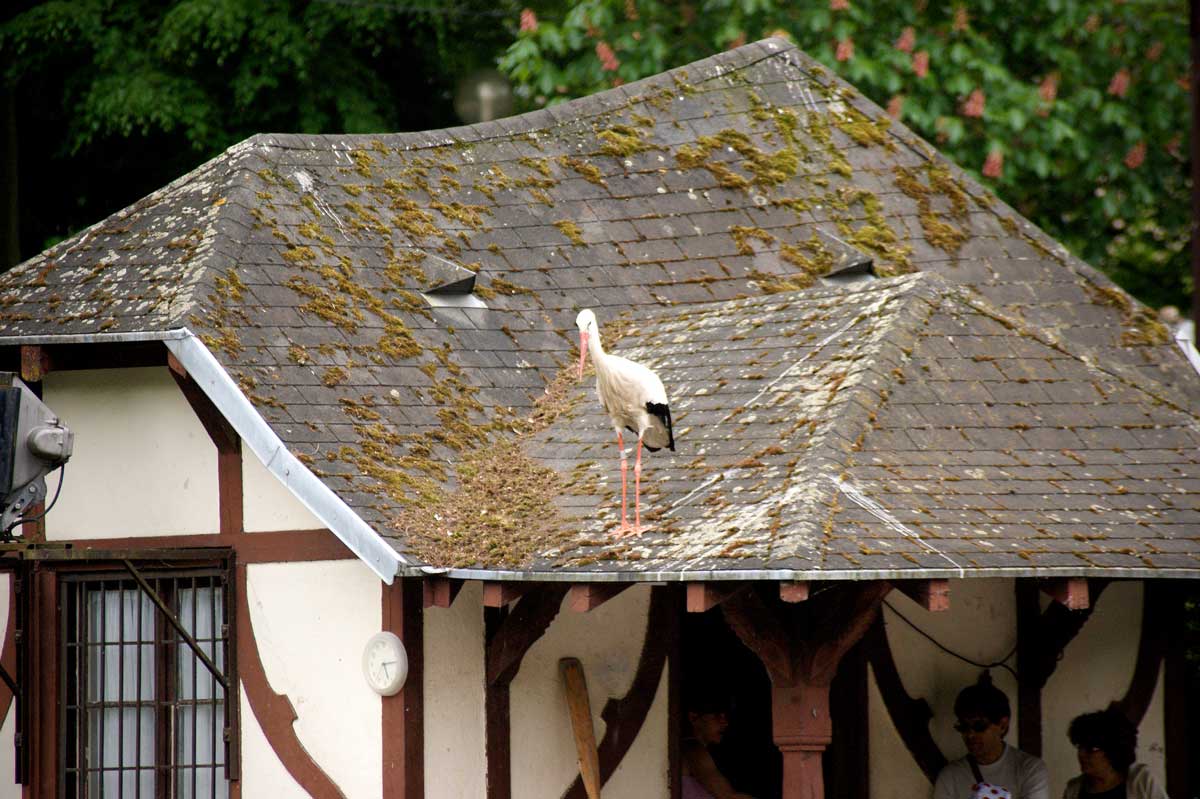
581	724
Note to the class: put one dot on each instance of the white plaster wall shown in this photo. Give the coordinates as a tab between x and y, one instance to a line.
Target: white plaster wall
267	504
455	759
645	770
143	464
981	625
311	621
608	641
1094	671
262	773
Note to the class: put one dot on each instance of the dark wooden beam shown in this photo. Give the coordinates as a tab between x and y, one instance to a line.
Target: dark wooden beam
227	442
703	597
500	594
440	592
44	719
933	595
1152	647
510	634
910	716
404	713
794	591
1042	636
1070	592
589	596
1031	655
275	713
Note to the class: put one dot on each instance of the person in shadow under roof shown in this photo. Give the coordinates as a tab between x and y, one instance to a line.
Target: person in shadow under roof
705	722
991	767
1106	745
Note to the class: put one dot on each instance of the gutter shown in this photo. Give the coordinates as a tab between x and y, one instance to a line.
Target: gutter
218	386
789	575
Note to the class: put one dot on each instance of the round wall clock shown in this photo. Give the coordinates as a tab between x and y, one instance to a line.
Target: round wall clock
385	663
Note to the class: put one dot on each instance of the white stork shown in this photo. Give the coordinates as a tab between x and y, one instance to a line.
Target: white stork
635	400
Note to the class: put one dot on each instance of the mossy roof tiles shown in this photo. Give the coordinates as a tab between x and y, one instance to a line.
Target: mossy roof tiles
676	207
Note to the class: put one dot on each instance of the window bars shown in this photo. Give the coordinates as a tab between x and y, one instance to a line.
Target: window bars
144	682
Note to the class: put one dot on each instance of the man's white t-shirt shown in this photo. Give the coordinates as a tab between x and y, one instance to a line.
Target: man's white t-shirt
1024	775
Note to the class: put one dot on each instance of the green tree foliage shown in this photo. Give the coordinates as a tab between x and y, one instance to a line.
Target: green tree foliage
115	98
1075	112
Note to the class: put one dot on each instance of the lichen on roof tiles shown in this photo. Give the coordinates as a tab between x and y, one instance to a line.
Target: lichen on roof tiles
699	209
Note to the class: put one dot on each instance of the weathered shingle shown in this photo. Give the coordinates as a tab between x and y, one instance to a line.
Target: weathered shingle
700	205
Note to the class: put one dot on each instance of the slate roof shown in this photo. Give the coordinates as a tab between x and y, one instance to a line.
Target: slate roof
691	198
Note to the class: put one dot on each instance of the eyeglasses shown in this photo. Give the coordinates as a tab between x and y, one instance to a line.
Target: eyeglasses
979	725
1090	750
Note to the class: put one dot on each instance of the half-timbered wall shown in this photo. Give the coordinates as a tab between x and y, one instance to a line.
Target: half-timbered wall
608	641
268	504
311	621
454	677
981	625
143	464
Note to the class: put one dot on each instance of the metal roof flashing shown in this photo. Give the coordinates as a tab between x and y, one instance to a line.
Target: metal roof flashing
320	500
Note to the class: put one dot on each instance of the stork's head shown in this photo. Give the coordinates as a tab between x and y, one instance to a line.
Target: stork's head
586	322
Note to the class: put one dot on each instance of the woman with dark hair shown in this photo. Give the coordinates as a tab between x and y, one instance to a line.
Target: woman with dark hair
1106	744
704	725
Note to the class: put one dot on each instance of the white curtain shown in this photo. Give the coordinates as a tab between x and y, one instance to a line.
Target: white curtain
199	743
120	739
121	734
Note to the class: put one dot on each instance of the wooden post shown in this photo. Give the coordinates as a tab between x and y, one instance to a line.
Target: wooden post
404	713
801	647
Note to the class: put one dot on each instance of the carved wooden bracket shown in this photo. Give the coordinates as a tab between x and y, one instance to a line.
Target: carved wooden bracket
275	712
801	647
933	595
589	596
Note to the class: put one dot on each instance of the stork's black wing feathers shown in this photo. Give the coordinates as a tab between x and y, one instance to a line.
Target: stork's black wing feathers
663	412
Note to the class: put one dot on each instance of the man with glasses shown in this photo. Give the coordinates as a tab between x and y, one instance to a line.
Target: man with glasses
983	714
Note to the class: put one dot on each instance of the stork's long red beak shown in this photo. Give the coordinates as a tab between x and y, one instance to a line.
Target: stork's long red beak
583	338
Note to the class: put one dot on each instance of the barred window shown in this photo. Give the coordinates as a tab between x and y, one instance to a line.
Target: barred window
142	714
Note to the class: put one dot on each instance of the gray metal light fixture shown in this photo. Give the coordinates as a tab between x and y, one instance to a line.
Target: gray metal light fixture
33	443
482	96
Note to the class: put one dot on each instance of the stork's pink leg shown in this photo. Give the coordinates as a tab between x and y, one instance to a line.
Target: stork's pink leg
637	489
624	468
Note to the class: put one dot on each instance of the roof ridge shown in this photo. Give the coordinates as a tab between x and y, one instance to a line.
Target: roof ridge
591	105
969	296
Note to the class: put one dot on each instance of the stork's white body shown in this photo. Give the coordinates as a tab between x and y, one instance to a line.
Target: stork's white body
634	399
625	389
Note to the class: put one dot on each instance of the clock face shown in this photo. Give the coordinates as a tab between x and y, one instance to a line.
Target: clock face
385	663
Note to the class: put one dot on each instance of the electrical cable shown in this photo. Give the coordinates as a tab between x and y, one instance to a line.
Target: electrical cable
57	492
1001	663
